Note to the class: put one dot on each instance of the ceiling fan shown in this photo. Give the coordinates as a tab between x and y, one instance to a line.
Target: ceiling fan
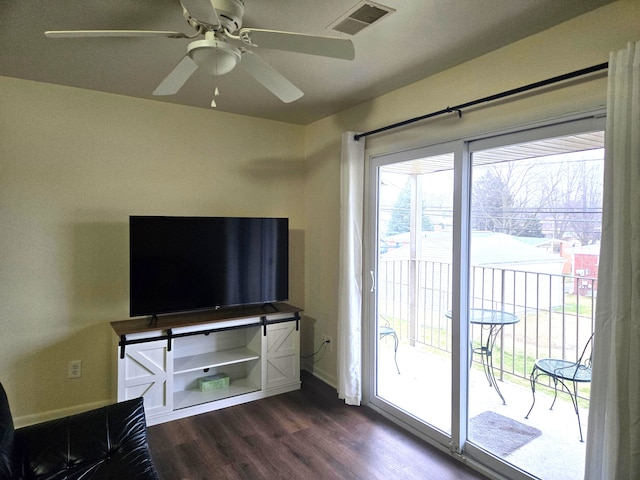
225	45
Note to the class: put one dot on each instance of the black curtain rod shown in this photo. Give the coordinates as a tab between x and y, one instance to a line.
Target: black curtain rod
497	96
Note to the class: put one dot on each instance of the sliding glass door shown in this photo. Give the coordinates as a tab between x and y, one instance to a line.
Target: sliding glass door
413	286
483	259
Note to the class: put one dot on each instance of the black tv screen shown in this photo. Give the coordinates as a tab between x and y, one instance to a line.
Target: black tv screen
180	264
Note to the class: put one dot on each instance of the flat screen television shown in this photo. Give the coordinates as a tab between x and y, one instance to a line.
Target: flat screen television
180	264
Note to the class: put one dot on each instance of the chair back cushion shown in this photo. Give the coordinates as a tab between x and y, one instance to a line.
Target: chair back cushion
102	444
7	432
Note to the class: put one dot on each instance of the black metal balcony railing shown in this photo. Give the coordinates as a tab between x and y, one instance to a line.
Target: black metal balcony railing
556	318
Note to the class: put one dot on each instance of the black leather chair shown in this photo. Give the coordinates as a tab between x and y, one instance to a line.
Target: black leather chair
105	443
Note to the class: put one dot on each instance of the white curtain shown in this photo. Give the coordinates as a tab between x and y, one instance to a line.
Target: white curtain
613	438
350	283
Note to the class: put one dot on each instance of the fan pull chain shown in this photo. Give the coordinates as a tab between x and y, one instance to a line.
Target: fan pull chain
216	93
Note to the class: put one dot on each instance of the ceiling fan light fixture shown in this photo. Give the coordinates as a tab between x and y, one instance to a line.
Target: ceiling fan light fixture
213	56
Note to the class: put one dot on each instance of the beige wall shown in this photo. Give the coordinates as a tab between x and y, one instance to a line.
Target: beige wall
580	43
74	165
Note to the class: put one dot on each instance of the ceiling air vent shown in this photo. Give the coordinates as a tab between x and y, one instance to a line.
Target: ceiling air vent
360	17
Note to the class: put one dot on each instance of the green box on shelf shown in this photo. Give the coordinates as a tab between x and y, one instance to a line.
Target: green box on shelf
213	382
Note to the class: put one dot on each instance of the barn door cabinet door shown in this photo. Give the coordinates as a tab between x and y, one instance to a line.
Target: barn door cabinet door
147	371
282	355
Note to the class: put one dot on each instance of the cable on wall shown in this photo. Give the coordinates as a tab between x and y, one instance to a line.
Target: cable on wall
458	108
323	347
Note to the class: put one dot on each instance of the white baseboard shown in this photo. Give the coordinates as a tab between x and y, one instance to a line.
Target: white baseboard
27	420
322	375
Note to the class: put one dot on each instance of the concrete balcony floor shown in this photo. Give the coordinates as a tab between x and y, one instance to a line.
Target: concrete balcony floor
423	389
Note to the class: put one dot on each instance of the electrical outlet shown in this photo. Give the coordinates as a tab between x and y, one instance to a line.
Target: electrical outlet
75	368
329	340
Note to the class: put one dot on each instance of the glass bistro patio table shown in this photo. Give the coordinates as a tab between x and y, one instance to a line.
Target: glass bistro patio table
493	321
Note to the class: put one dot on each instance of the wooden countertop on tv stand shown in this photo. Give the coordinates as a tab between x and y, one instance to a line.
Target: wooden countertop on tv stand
165	322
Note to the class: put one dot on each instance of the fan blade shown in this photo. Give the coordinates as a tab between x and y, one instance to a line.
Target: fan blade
298	42
177	78
202	10
269	77
112	33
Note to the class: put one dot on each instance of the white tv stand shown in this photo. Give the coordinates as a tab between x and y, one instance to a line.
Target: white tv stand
162	359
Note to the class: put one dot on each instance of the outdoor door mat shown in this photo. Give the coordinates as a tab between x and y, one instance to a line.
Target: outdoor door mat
500	435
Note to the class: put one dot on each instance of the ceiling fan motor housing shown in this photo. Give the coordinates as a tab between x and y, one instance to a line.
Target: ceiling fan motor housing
230	13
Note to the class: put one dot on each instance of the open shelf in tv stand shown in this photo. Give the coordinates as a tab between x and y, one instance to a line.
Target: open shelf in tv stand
258	348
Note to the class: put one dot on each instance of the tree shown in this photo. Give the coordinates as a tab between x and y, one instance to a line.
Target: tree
400	221
583	201
494	206
490	199
572	198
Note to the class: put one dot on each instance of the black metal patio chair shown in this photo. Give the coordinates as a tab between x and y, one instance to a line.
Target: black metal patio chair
387	330
562	371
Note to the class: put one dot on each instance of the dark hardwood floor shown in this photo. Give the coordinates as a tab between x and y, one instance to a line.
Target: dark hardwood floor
307	434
